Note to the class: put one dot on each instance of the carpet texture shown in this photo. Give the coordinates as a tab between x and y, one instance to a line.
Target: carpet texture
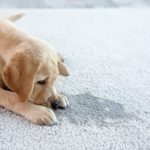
108	54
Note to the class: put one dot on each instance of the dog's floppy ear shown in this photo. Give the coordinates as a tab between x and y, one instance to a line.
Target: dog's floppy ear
62	69
19	75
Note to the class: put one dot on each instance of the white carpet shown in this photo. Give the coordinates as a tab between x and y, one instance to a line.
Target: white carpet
108	54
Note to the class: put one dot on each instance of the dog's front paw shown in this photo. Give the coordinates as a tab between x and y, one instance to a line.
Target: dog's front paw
62	102
41	115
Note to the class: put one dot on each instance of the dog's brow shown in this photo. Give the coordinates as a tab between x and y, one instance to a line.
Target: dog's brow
41	78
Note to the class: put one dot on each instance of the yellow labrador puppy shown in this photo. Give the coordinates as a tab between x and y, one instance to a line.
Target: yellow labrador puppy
29	69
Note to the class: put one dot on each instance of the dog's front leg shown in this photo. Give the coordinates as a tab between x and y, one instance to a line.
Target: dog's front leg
57	100
34	113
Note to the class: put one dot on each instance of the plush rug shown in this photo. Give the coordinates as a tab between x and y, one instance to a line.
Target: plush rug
108	54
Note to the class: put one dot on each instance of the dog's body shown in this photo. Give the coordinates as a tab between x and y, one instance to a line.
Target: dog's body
28	70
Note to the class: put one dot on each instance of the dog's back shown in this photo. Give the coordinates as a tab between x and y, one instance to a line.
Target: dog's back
10	35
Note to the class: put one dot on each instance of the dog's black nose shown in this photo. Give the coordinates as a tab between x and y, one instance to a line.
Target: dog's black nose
54	104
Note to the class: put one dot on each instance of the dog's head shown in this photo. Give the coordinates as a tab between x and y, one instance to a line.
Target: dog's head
32	70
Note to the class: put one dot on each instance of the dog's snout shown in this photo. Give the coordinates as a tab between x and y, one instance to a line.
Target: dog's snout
55	104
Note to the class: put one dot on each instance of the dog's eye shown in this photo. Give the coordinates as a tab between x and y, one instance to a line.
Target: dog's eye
42	82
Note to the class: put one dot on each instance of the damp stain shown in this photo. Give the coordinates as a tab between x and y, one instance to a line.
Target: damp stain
86	109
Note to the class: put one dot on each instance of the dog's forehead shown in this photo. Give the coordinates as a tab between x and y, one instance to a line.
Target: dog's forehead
46	71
